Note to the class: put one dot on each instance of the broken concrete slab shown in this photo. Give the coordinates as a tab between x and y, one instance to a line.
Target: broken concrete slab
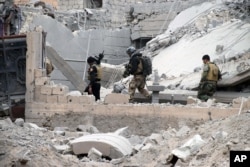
123	132
116	98
117	161
110	145
33	126
94	154
190	147
61	148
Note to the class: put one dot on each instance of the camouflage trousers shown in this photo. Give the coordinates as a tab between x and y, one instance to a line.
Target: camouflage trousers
138	82
206	90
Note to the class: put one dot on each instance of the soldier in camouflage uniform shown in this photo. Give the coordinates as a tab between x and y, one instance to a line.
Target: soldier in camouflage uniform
210	75
135	68
49	66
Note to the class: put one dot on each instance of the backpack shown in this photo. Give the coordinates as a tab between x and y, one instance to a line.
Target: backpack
147	65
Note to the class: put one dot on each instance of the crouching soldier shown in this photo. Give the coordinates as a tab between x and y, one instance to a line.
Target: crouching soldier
135	68
94	76
210	76
49	66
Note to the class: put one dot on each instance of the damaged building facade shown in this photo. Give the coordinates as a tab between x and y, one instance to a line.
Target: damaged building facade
76	130
91	27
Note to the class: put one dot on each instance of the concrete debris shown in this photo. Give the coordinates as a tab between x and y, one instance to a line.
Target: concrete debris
85	159
221	135
118	87
117	161
138	147
156	138
94	154
123	132
191	147
87	128
34	126
19	122
147	147
168	134
183	131
59	133
192	100
189	28
61	129
110	145
61	148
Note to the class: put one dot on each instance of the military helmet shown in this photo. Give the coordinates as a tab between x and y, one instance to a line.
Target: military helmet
130	50
91	60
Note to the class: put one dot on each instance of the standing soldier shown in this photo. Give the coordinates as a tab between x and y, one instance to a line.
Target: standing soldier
135	67
211	74
94	76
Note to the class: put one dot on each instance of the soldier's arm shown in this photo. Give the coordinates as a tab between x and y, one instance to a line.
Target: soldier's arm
205	73
92	75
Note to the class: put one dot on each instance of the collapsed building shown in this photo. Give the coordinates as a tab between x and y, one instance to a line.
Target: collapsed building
170	31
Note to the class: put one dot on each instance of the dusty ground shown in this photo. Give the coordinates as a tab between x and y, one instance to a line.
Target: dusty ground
31	146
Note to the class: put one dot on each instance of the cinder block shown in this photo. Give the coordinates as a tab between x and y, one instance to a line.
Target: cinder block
116	98
41	98
62	99
41	81
87	99
52	98
73	99
60	90
39	73
46	90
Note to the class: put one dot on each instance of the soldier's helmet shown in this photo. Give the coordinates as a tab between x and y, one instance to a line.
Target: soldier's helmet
130	50
91	60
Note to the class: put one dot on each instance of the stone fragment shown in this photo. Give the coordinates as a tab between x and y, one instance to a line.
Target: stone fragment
183	131
61	148
19	122
192	146
117	161
147	146
156	138
94	154
87	128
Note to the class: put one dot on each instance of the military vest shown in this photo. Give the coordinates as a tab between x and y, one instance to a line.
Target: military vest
99	72
213	72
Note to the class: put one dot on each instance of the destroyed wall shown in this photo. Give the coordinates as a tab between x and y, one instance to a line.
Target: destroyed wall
46	100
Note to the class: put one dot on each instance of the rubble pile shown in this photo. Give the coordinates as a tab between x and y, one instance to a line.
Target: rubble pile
29	145
200	30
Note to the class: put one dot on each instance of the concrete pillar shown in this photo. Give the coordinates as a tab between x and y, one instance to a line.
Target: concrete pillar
33	61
